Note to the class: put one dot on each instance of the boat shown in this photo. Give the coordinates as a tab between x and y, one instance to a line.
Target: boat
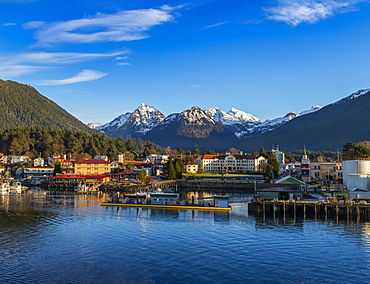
4	188
16	187
164	200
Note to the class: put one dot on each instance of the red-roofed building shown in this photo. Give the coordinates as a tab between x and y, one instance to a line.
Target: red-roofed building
87	167
239	163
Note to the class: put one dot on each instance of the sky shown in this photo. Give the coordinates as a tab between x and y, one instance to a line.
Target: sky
98	59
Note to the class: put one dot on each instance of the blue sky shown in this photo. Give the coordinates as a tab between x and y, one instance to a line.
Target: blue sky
98	59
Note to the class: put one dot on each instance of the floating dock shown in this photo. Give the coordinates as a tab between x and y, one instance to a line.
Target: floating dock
173	207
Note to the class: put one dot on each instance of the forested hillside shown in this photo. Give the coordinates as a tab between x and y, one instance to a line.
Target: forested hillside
23	106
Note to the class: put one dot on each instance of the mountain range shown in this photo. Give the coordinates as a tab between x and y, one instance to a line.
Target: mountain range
209	129
326	128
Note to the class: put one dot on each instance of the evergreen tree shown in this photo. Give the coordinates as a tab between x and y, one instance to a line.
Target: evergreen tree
196	150
263	153
129	166
143	175
179	168
57	168
171	170
180	152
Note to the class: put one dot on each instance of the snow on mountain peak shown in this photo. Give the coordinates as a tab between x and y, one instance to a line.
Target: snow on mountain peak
353	96
231	117
196	116
146	114
311	110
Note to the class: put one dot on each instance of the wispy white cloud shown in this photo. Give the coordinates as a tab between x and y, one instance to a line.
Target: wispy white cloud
123	63
12	71
83	76
295	12
121	26
212	26
9	24
33	25
194	86
12	66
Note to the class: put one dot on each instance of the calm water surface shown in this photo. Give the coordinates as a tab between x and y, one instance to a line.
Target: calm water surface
72	239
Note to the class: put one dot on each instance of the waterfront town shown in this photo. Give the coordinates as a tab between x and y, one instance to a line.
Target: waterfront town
243	173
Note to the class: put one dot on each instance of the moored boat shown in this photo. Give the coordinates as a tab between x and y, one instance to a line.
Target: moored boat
163	200
4	188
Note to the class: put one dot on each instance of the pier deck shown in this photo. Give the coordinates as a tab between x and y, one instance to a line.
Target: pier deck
304	208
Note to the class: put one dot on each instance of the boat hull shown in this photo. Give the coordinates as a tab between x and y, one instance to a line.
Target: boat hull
173	207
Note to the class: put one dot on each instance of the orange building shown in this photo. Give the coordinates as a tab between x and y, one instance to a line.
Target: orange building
87	167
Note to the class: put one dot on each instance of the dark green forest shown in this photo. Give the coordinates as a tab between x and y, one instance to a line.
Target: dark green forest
35	142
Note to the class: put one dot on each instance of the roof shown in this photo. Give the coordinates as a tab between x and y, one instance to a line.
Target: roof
92	162
289	180
74	176
128	172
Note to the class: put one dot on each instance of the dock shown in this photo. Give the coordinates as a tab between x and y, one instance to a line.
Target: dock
318	210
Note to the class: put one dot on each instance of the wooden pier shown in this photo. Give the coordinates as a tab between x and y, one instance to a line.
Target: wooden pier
318	210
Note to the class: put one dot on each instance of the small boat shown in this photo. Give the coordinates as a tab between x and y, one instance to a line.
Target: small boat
16	187
4	188
164	200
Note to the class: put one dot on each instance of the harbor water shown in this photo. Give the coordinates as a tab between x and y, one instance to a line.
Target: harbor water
72	239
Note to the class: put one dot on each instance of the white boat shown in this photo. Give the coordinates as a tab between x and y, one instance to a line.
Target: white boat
4	188
16	187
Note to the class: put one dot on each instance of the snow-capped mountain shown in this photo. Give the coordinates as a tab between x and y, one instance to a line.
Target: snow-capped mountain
194	123
190	127
135	124
231	116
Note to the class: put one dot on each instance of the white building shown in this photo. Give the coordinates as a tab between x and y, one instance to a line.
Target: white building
326	170
38	162
227	163
356	174
104	158
18	159
156	159
38	172
280	156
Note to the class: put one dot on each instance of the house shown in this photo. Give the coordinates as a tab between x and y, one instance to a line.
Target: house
156	159
105	158
114	166
18	159
4	159
190	167
38	162
88	167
